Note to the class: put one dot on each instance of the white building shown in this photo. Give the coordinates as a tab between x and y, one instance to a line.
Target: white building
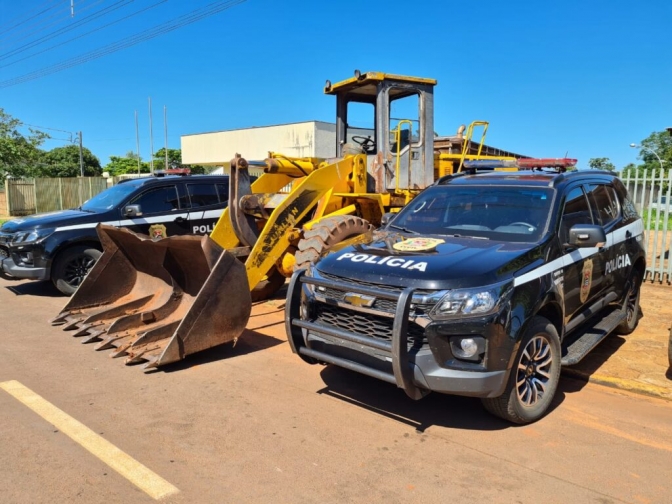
302	139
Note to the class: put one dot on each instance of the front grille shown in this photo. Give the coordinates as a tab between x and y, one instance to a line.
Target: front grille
373	326
386	305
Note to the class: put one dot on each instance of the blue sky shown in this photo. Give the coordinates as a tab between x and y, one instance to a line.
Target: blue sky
585	78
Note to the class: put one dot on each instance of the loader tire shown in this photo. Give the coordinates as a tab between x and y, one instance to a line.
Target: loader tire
265	289
325	234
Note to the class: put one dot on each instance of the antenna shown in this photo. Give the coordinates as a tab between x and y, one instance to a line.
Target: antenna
137	140
151	139
165	127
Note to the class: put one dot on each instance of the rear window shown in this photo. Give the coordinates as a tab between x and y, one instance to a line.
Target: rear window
202	195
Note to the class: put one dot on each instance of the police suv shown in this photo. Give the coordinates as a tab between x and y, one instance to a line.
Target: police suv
484	285
62	246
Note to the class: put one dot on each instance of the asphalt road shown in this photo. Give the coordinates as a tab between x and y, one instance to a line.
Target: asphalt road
255	424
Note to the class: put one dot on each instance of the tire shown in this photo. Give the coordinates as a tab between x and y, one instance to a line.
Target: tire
325	234
534	377
274	282
633	311
71	267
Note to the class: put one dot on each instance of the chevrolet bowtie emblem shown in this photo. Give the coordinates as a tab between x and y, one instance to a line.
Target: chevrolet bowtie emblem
359	299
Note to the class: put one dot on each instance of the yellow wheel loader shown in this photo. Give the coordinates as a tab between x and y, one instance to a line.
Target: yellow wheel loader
157	301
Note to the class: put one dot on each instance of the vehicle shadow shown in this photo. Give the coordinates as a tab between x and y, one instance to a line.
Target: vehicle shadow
31	288
249	342
593	361
435	409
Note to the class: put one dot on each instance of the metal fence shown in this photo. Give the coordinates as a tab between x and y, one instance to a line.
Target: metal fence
650	192
29	196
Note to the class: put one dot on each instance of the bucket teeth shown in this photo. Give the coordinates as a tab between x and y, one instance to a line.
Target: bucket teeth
152	363
138	358
72	323
62	318
121	351
95	335
108	343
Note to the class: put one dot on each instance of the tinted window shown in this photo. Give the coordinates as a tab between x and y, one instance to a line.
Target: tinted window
202	194
161	199
223	190
576	211
604	203
516	214
109	198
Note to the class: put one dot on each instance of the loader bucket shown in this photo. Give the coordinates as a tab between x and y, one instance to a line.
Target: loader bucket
159	301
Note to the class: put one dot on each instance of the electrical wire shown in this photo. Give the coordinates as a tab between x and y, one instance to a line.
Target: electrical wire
41	28
34	28
65	29
45	128
174	24
33	16
84	34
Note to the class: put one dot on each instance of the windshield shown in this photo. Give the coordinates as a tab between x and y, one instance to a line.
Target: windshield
108	199
508	213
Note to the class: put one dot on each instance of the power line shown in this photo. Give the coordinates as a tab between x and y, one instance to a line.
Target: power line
85	34
33	16
65	29
158	30
33	28
44	127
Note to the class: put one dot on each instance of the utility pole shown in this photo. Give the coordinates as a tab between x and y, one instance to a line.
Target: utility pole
81	155
151	139
81	170
72	8
165	133
137	140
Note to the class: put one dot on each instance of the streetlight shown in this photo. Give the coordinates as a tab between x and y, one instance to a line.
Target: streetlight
635	146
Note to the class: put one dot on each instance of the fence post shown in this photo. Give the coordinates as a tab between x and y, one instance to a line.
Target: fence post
8	195
35	194
60	193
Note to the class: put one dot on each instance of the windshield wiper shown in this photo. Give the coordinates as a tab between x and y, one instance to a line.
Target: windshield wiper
467	236
401	228
81	209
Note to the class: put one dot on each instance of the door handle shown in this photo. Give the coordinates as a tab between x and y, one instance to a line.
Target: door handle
180	220
628	235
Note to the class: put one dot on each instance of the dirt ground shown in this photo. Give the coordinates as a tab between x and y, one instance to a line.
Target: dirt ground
638	361
253	423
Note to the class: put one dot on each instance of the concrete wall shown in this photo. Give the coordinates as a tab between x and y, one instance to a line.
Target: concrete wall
306	139
218	148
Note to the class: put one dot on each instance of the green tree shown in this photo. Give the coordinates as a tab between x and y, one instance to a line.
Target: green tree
659	142
122	165
64	162
175	160
601	163
19	153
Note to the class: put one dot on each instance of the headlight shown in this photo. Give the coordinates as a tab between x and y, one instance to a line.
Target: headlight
31	236
470	302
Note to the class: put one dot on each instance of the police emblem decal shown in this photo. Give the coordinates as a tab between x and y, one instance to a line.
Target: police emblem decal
157	231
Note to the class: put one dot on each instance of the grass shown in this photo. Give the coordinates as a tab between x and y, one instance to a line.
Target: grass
661	220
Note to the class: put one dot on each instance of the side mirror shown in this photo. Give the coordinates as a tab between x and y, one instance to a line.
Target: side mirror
132	211
386	218
587	235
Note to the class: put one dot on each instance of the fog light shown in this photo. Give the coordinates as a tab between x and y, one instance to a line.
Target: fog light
26	257
468	348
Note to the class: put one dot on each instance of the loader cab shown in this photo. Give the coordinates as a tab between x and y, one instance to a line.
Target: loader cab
390	118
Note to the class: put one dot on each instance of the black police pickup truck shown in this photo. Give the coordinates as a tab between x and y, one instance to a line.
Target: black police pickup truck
484	285
62	246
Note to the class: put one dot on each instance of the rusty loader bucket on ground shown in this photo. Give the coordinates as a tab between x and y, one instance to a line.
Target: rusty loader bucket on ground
159	301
